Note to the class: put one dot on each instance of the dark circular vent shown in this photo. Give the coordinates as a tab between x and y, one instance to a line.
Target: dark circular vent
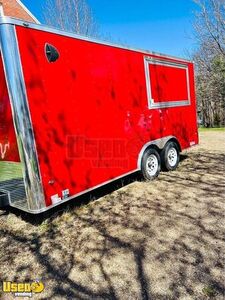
51	53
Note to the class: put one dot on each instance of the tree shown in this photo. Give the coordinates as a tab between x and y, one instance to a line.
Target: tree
210	61
70	15
210	24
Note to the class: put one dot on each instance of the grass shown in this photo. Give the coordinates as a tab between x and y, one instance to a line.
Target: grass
140	240
209	291
211	129
10	170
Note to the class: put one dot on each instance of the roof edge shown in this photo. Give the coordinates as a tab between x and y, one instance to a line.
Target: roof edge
43	27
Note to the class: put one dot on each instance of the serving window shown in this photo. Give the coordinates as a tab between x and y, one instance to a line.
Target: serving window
167	83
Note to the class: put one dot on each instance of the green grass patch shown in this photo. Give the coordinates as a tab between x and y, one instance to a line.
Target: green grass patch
10	170
209	291
203	129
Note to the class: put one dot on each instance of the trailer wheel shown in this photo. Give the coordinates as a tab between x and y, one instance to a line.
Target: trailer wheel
151	164
170	156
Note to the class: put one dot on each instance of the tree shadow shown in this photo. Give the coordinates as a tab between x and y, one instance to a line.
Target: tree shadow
157	240
77	202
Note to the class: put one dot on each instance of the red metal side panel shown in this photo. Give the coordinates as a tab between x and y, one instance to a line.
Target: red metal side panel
8	143
90	112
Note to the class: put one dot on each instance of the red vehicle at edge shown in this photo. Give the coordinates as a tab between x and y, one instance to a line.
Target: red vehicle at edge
77	113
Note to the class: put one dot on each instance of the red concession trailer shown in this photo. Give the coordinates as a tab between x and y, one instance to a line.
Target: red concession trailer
77	113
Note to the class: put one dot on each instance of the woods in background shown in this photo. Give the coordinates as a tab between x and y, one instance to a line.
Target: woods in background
71	15
210	62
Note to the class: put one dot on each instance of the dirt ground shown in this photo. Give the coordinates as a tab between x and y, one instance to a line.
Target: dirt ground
159	240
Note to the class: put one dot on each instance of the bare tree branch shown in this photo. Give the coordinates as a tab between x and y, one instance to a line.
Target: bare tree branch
210	23
71	15
210	61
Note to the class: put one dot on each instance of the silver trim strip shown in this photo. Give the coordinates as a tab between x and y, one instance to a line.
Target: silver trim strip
76	195
8	20
21	117
162	62
165	62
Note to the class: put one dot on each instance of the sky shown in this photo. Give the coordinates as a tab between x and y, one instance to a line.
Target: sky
163	26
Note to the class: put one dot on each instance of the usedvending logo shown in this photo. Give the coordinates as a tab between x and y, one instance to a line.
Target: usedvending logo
23	289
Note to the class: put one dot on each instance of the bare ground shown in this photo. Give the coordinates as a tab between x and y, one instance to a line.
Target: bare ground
158	240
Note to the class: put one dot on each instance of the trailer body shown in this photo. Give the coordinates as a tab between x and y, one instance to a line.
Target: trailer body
77	113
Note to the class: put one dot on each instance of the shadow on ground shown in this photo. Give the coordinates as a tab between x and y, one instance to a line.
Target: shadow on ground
81	200
158	240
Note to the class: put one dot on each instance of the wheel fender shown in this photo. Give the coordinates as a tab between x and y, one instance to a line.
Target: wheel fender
159	143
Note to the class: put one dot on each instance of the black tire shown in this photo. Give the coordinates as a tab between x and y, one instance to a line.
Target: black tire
150	164
170	156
